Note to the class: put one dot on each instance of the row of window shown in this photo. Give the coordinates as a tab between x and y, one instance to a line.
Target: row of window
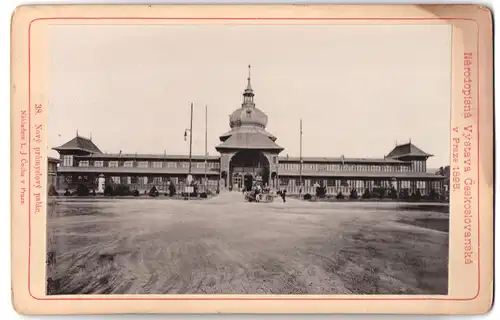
416	166
140	180
419	166
148	164
293	182
346	167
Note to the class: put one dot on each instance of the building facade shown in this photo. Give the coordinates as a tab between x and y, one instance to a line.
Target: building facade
247	151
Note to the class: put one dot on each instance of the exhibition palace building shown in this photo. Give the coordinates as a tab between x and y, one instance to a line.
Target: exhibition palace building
246	151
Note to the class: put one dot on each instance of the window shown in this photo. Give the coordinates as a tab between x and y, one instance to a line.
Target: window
157	164
128	164
116	180
133	179
200	165
343	183
171	164
113	164
69	179
68	160
142	164
98	163
185	165
83	163
157	180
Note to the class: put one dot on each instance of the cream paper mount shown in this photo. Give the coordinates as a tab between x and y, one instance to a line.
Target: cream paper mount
353	175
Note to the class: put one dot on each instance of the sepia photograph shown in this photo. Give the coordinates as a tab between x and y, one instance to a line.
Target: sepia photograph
248	159
253	159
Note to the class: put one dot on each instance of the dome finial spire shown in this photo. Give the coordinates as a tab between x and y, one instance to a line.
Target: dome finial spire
249	86
248	94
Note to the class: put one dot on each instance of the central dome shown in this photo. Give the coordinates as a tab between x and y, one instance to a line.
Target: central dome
248	116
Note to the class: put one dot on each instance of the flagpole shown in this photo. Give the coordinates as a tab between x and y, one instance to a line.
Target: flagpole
300	165
191	140
206	150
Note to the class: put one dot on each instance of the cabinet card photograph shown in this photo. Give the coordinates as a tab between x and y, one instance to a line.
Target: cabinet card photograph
252	159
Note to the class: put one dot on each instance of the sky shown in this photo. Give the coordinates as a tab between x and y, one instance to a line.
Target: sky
359	89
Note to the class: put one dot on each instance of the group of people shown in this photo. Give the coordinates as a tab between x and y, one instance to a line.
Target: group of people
282	194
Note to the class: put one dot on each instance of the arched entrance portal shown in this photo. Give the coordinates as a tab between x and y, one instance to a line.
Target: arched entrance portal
245	166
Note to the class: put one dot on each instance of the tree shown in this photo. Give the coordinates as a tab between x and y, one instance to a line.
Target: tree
82	190
433	195
404	194
354	194
108	190
418	195
445	172
366	194
171	190
121	190
153	192
393	193
320	191
52	190
378	192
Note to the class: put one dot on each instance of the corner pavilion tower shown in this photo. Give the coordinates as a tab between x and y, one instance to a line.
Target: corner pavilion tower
248	151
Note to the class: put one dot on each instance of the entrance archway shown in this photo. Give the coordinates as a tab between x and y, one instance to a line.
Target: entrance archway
245	166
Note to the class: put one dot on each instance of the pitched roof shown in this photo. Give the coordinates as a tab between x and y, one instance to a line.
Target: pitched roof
249	140
407	149
246	129
52	159
79	143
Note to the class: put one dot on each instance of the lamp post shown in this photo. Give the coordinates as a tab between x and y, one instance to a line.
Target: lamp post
189	177
206	150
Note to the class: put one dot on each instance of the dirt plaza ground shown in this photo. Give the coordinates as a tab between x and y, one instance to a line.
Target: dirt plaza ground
225	245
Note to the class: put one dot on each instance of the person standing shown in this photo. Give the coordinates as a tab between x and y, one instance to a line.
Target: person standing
283	195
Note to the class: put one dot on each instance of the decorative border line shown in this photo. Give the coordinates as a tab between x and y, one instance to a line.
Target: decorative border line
103	298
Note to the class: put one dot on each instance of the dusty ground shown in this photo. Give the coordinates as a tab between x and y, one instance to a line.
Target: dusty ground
225	245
